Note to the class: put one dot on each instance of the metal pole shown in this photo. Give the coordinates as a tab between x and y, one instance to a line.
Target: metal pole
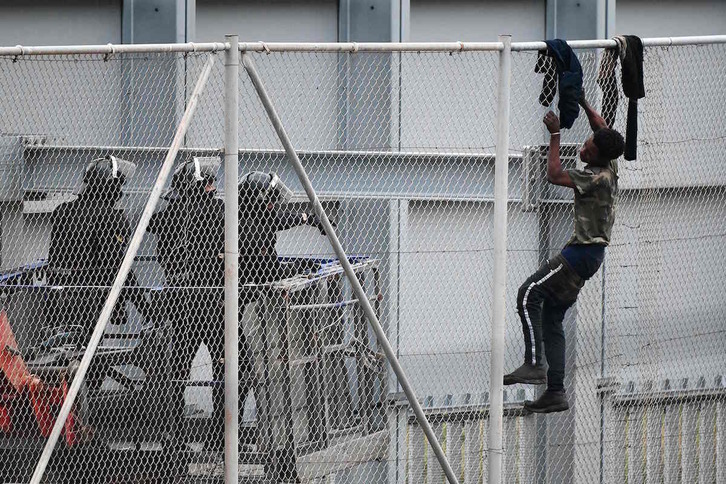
231	261
122	274
501	175
351	47
21	50
347	268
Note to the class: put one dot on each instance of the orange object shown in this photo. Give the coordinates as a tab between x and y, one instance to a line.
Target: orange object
5	421
44	399
11	363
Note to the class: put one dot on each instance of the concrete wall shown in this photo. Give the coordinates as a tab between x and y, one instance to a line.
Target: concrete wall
46	22
269	20
476	20
665	318
293	81
670	18
445	285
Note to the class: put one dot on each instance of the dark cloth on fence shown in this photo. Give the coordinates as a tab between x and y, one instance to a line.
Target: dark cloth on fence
569	76
633	86
630	53
634	89
546	65
608	85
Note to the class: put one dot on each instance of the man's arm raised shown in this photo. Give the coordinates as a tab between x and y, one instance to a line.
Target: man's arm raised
597	122
555	174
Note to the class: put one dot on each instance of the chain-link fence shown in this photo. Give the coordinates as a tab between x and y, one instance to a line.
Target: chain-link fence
83	137
645	341
399	144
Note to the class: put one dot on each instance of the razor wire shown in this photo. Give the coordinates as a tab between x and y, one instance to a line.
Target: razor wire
400	149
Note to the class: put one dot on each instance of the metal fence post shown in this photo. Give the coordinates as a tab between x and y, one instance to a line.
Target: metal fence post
501	175
122	273
347	268
231	261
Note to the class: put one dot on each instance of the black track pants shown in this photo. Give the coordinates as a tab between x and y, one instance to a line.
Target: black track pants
542	302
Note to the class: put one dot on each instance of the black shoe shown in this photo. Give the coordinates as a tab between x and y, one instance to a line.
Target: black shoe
527	373
550	401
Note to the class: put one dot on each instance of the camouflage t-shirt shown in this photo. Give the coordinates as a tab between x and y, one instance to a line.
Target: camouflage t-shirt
595	191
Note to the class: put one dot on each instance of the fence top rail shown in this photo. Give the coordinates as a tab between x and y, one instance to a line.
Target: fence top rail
609	43
353	47
22	50
340	47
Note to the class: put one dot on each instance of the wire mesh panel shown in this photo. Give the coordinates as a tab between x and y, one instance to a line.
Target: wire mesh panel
83	138
83	148
399	148
644	355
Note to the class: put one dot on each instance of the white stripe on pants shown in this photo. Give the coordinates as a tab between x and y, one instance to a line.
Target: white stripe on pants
526	313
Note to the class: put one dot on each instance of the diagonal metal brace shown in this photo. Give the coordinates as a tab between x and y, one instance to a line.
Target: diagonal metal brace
347	268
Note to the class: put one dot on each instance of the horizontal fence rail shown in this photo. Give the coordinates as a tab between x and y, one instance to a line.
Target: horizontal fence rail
342	47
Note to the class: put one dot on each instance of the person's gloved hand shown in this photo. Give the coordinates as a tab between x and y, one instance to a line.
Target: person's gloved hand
314	221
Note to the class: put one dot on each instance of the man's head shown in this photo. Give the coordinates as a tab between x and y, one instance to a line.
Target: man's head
104	177
605	145
263	188
194	178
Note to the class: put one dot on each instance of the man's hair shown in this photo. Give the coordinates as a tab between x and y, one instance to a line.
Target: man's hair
610	143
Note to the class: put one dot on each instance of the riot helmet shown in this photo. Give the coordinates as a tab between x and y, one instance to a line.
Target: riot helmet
194	177
105	176
263	188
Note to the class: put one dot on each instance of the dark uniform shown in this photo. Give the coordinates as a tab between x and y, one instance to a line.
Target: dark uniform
88	241
261	197
260	219
189	234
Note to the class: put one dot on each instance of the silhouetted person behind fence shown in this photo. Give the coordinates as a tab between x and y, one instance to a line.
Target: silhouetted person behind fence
262	214
88	241
189	232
